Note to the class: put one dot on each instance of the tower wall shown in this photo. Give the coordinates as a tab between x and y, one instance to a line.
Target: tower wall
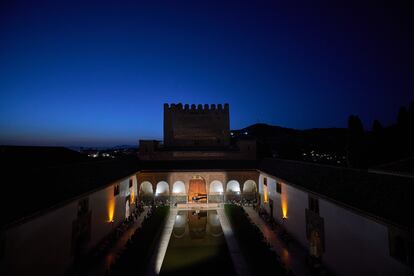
196	125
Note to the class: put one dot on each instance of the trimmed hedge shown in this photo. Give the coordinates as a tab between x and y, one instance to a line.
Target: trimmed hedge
258	254
138	252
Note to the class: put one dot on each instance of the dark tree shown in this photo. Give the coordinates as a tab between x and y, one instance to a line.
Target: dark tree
376	143
411	115
377	127
402	119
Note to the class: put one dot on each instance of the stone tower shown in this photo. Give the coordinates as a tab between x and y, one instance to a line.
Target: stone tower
201	126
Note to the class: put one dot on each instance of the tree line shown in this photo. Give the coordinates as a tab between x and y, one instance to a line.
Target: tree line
380	144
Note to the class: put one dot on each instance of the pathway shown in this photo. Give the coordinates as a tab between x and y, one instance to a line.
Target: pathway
159	253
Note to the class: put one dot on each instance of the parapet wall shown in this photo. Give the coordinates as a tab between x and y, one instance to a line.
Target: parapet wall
196	107
196	125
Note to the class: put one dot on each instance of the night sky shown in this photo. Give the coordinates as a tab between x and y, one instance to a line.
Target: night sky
99	73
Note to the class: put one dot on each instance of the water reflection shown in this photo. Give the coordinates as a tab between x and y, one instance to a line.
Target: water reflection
197	224
179	225
197	241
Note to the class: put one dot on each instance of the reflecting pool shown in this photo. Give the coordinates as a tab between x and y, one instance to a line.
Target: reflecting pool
197	245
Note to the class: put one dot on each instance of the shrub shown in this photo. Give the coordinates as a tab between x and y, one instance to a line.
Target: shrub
261	259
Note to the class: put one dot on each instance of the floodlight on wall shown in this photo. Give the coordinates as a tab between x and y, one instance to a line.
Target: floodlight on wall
111	210
284	203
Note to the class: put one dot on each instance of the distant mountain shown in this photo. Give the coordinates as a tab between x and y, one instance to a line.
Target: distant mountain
266	130
100	148
296	144
124	147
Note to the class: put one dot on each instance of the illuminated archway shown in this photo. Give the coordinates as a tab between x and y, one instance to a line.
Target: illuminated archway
216	187
146	188
249	187
178	187
162	189
233	186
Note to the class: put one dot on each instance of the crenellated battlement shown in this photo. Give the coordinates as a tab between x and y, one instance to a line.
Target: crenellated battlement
204	108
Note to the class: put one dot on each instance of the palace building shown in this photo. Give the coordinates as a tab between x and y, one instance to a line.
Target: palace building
65	206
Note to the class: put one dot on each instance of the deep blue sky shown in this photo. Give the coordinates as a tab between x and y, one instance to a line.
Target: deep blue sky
97	74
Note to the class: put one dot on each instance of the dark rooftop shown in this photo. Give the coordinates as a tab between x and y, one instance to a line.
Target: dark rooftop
405	166
40	178
199	165
381	195
47	176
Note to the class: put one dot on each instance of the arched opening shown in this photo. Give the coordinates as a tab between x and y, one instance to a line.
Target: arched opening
178	193
233	191
162	189
178	188
233	186
197	191
146	193
145	189
162	193
249	187
216	187
249	191
216	192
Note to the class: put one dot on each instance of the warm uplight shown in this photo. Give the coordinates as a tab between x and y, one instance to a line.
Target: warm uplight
132	196
284	204
265	194
111	210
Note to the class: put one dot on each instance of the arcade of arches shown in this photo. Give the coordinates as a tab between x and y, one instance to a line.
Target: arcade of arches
200	186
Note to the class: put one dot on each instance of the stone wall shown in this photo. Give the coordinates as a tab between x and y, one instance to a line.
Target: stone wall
196	126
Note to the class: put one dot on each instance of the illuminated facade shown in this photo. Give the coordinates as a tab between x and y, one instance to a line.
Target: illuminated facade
181	186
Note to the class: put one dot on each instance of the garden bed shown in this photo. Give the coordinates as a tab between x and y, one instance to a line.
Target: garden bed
258	254
138	251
